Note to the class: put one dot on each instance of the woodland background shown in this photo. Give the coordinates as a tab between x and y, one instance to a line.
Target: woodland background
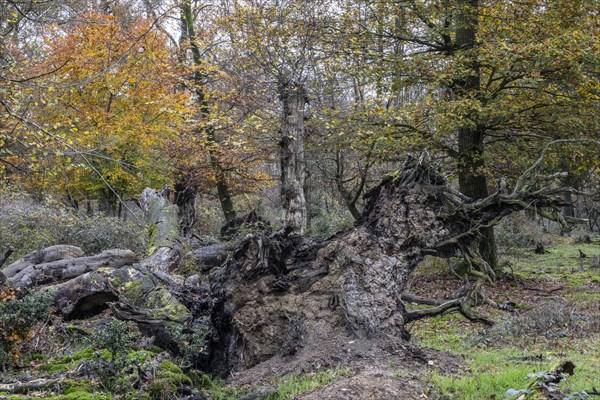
296	109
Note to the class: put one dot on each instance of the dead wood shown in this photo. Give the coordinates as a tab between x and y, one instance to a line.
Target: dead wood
413	298
30	386
284	291
5	257
544	291
279	293
212	256
145	293
49	254
462	305
163	220
61	270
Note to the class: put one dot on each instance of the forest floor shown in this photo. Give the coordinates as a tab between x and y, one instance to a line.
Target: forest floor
556	297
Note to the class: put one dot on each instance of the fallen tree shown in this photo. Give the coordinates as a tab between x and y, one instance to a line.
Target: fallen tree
278	294
49	254
61	270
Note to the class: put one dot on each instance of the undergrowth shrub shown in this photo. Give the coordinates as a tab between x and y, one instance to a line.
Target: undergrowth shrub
29	224
549	320
191	340
116	339
17	317
518	230
326	214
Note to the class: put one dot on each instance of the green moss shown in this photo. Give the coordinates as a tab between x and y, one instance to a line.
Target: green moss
164	305
79	386
73	390
115	281
168	379
169	366
133	289
139	356
82	395
55	368
67	362
86	353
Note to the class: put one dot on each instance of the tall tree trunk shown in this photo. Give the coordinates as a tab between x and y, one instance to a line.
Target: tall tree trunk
472	180
293	166
189	33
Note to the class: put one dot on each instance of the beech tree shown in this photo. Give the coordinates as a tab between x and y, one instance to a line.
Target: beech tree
487	77
280	39
99	110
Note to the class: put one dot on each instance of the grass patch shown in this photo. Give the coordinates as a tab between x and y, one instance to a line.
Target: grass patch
491	368
291	386
491	372
561	261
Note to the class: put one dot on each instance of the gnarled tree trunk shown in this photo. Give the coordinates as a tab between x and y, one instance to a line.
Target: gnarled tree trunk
293	166
282	293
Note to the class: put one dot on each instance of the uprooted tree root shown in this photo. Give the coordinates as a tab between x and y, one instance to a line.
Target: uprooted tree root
279	294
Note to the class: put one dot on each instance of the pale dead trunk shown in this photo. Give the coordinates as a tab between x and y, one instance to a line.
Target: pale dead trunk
293	166
62	270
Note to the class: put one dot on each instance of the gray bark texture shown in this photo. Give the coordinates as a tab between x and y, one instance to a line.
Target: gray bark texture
280	294
62	270
293	166
163	219
49	254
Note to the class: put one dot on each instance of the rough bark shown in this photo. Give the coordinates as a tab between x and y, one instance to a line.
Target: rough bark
472	180
293	166
280	293
132	290
49	254
185	199
61	270
208	257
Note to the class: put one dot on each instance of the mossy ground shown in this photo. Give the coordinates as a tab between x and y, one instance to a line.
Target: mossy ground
493	359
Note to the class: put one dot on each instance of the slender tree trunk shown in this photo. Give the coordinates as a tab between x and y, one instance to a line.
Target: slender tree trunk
189	33
293	166
185	199
350	198
472	180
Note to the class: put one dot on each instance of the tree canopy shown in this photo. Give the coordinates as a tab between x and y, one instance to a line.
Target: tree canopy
104	98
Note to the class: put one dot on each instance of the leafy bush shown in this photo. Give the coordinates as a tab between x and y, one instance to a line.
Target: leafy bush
112	345
191	340
29	224
326	214
17	317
